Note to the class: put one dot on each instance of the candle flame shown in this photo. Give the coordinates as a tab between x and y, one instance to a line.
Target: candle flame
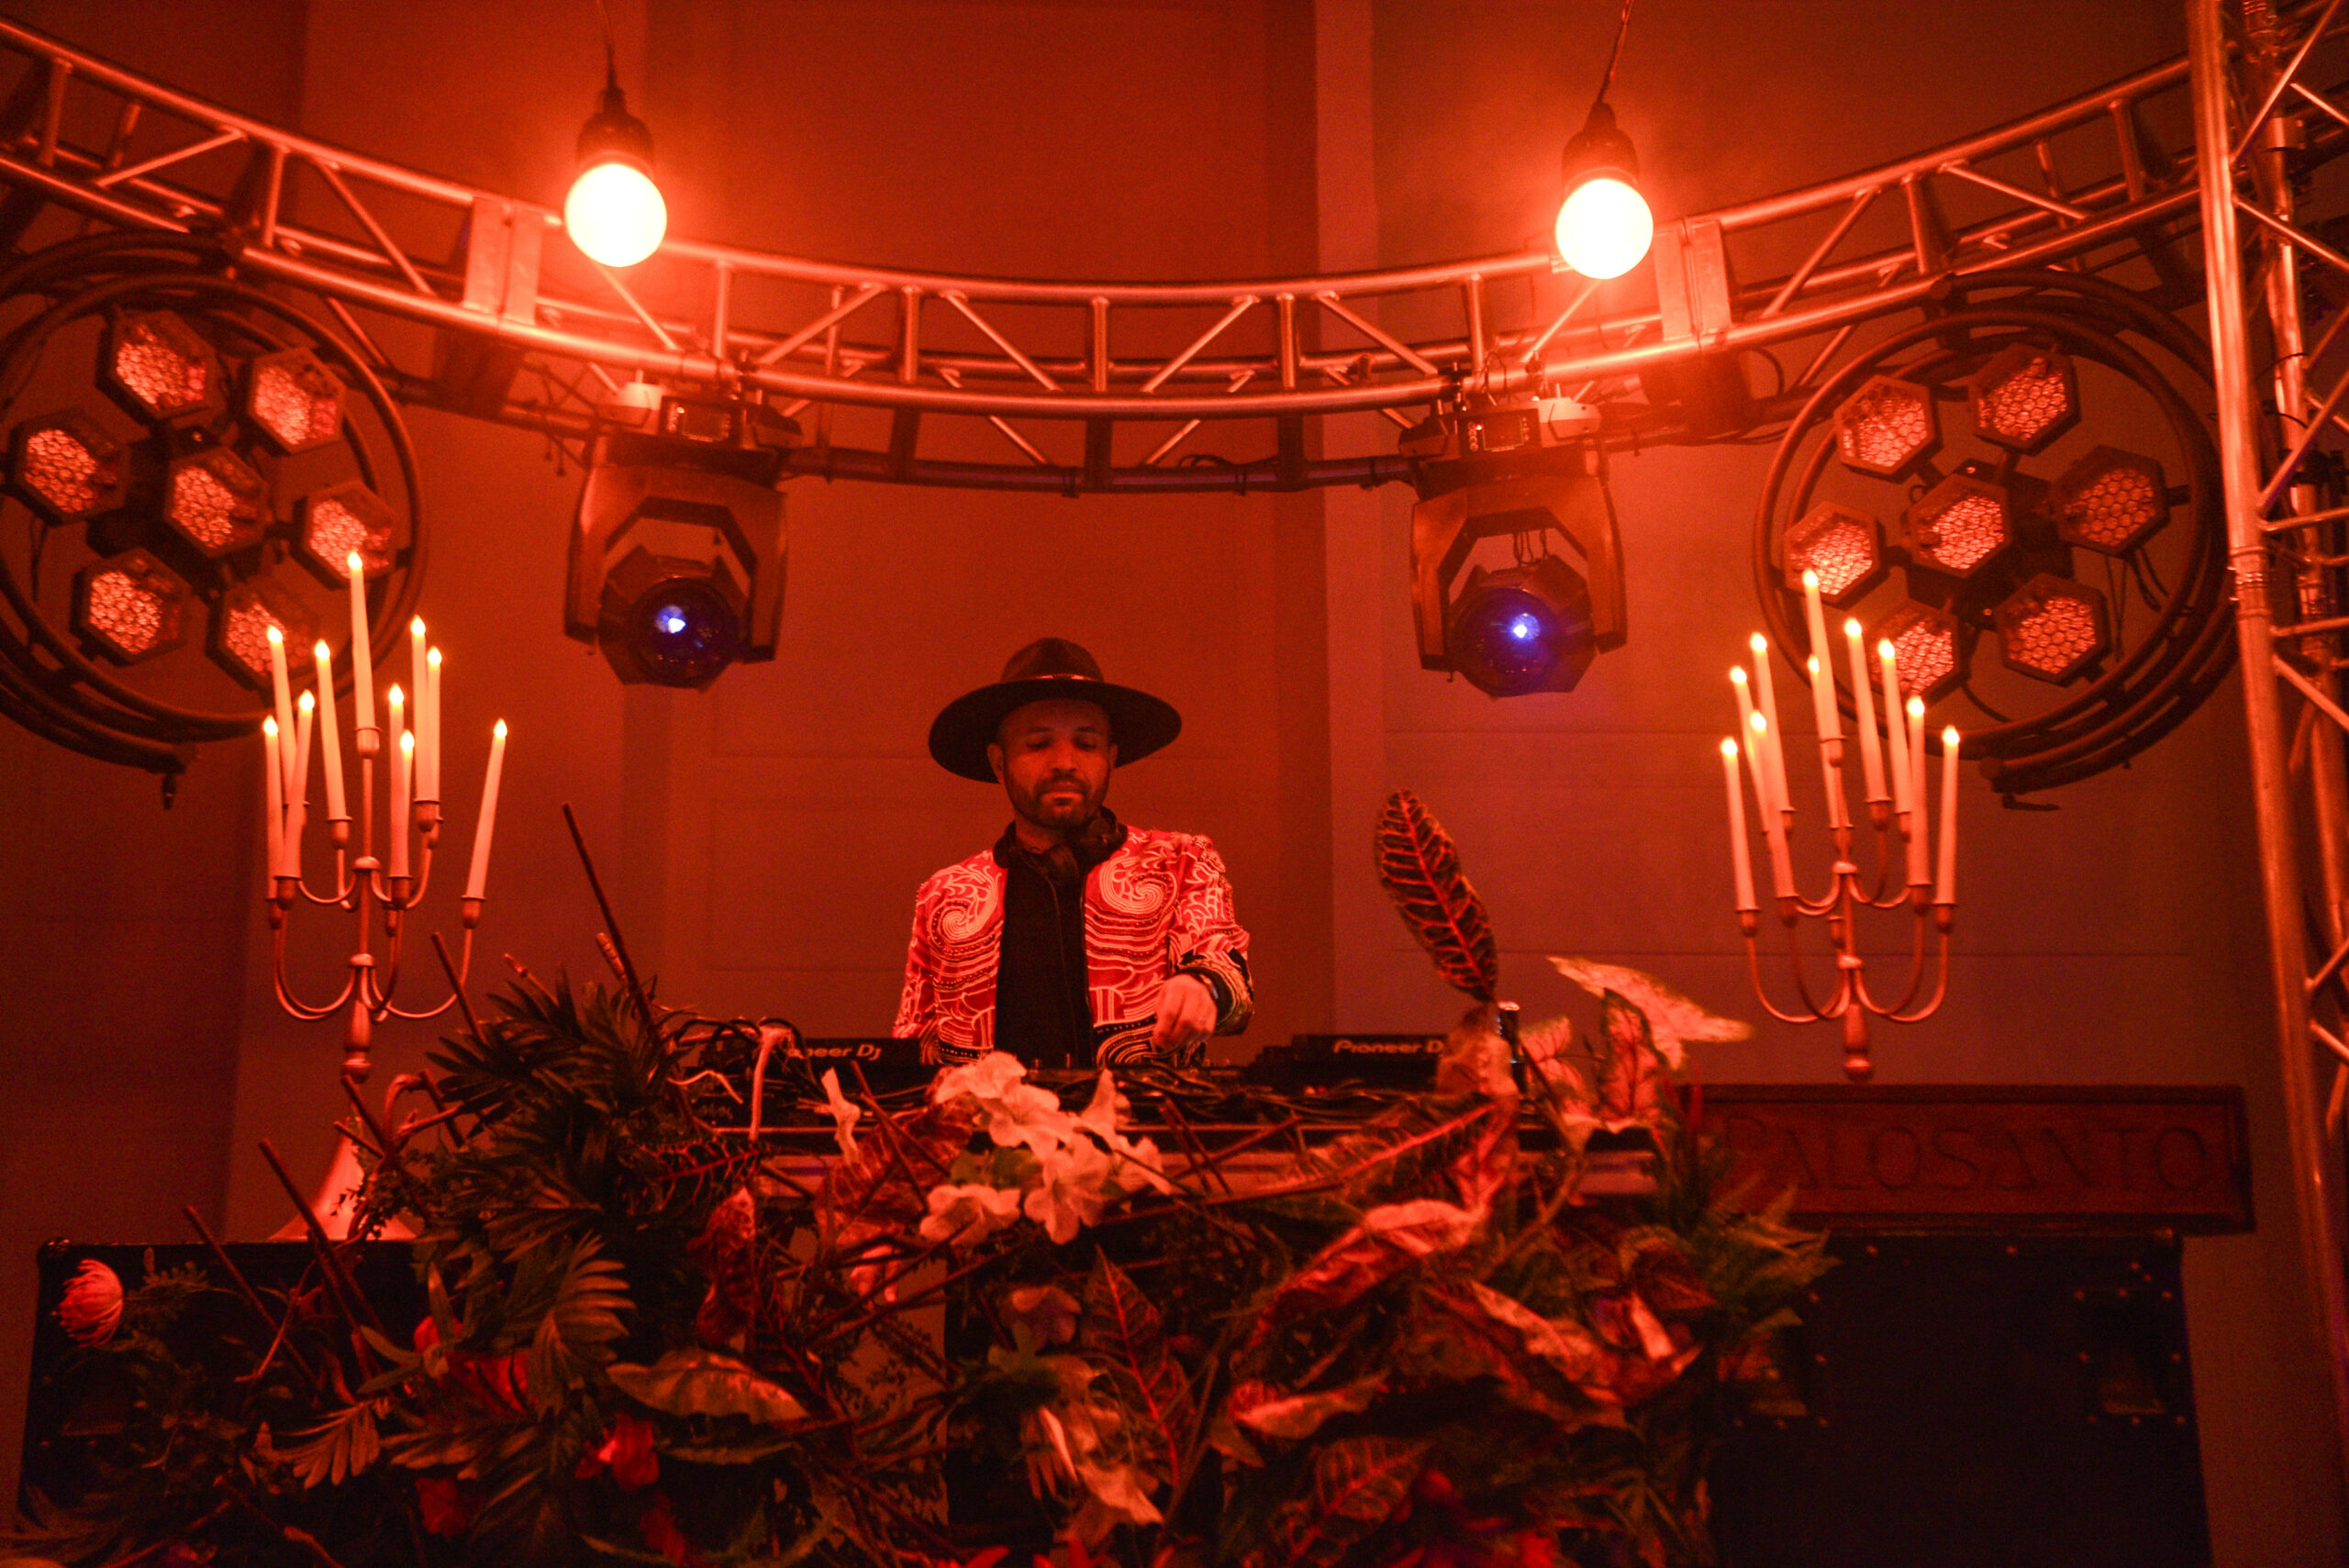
415	625
1950	736
408	743
273	634
1813	663
269	727
308	702
393	696
1916	708
1809	578
1737	673
498	729
322	651
1760	724
433	659
1852	628
1729	746
1883	648
354	563
1759	643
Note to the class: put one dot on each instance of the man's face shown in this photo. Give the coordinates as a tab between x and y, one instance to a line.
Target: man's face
1055	758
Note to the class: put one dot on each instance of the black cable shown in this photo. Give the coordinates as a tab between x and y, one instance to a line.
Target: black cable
1606	83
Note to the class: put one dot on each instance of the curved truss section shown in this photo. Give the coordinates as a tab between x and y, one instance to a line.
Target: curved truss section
1089	386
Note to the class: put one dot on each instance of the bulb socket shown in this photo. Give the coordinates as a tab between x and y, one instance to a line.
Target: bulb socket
612	135
1599	150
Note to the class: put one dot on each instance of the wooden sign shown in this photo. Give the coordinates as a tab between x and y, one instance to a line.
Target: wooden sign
1967	1157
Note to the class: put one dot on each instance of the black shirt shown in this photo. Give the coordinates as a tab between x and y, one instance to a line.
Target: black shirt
1043	1014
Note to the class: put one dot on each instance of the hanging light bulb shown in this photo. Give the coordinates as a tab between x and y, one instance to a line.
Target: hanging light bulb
614	212
1604	225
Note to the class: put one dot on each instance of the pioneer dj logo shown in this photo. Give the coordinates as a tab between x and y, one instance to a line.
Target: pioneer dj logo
844	1051
1344	1047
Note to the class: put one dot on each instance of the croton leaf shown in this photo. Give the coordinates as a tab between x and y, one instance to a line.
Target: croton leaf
1354	1488
704	1383
1297	1417
1122	1327
1420	867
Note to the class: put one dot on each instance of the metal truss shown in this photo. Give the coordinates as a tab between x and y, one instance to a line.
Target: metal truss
2280	398
1090	386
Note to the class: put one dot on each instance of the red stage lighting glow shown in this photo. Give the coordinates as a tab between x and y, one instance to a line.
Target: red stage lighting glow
240	626
1957	525
131	607
1886	426
2024	397
342	518
217	502
2052	629
2111	500
1845	548
67	466
1924	648
158	366
296	401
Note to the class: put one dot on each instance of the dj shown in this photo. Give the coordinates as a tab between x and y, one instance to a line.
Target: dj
1076	940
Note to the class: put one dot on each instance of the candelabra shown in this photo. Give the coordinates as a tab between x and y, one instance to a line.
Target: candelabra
1893	768
382	890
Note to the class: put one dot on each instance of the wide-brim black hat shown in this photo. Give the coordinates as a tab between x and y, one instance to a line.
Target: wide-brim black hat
1047	667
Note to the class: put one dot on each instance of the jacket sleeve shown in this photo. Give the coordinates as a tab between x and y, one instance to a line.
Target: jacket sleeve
918	1003
1208	940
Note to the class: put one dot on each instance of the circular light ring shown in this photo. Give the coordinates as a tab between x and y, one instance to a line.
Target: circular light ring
1886	426
2025	398
1523	629
131	607
2111	500
684	632
1959	526
216	502
66	465
2053	629
615	212
1845	547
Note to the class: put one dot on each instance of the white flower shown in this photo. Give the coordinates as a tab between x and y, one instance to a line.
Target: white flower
92	1307
966	1216
1073	1190
1014	1112
844	1114
1673	1019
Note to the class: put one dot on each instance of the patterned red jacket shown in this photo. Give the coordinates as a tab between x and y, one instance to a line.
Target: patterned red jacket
1161	906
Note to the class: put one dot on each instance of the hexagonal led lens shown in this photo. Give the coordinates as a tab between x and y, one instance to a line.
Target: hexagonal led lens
1845	548
1887	426
241	623
2051	628
131	607
1924	648
66	465
339	519
216	501
158	367
2024	397
1956	526
2111	500
294	400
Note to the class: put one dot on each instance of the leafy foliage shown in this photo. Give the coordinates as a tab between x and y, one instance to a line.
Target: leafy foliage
1420	868
647	1338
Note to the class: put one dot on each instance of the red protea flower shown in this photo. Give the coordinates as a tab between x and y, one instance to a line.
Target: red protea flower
91	1309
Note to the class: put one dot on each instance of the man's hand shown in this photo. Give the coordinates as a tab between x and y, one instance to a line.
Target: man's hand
1186	1013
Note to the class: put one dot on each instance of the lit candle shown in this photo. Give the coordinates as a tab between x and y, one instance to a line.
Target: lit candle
479	877
1830	777
1871	752
1763	799
276	769
329	743
297	785
395	703
1945	887
1917	841
1823	674
415	646
429	755
1766	702
279	684
362	666
1896	733
1740	852
1774	827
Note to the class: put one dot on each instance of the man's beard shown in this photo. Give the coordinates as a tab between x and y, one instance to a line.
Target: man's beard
1063	814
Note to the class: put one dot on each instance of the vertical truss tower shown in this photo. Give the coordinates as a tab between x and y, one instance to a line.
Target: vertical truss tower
2280	395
